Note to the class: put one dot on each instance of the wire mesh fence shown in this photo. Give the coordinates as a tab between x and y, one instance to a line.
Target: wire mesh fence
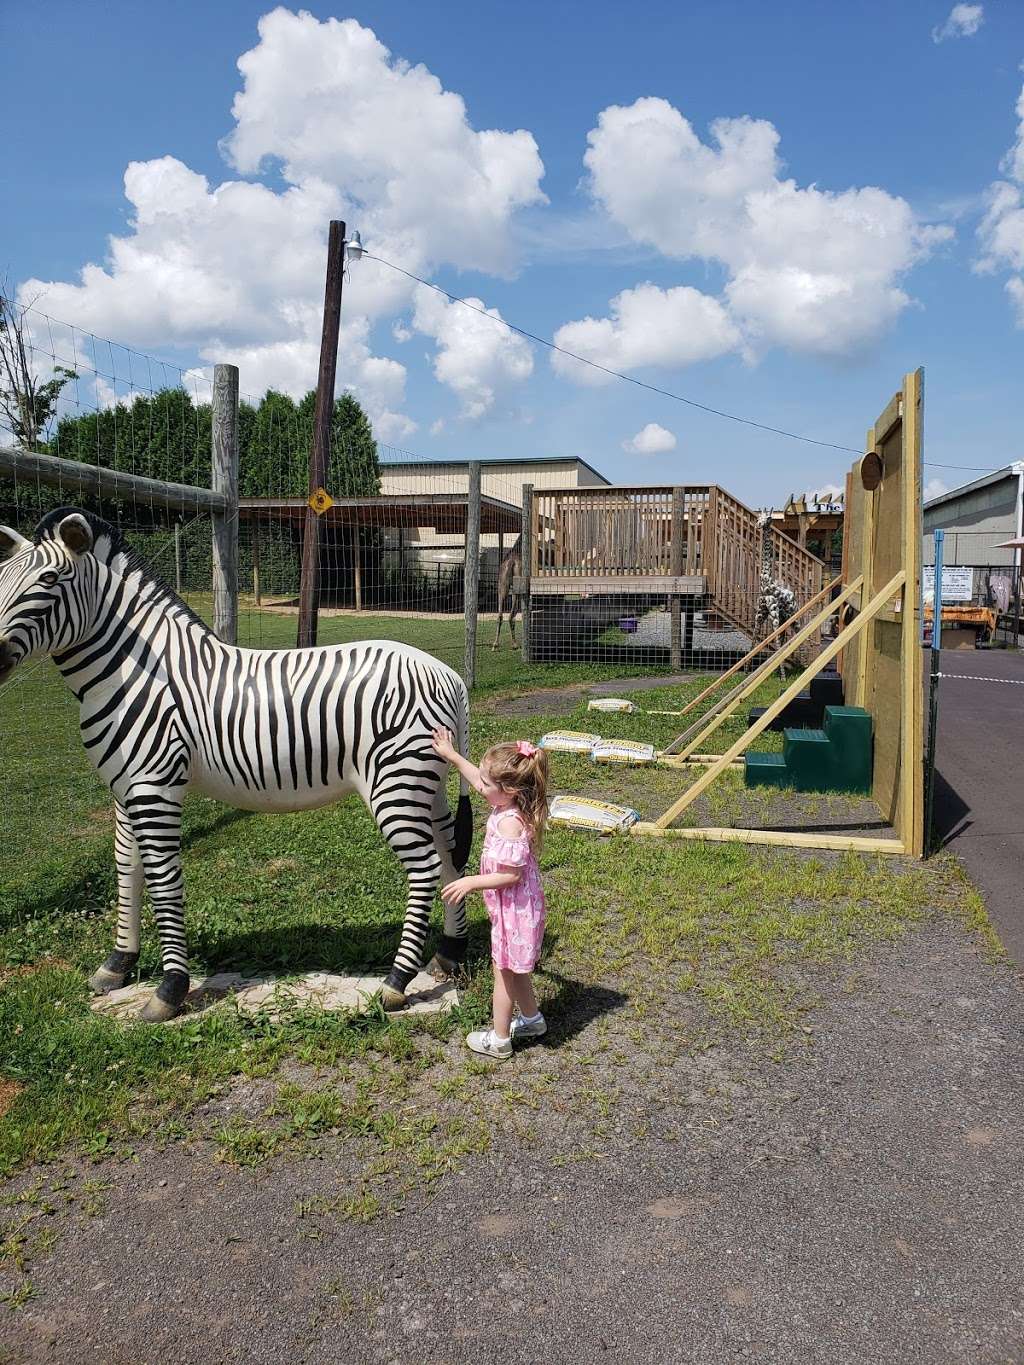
982	587
651	580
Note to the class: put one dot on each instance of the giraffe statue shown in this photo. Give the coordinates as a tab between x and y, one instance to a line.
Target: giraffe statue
775	602
509	568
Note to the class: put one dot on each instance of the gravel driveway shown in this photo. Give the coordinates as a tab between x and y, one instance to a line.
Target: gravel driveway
857	1200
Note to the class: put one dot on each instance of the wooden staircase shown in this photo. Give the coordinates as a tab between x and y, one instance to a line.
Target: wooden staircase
695	546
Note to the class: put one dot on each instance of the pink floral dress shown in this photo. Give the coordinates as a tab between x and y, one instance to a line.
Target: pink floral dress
517	913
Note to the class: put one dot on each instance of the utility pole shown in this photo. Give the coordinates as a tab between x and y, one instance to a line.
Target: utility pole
309	588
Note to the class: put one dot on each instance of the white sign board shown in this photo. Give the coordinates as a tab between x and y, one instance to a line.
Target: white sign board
957	584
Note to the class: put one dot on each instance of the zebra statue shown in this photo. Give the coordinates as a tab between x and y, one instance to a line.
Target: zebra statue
775	602
167	707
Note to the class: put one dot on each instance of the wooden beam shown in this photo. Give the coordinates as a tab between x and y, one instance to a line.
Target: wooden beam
867	559
528	555
107	483
657	585
912	717
778	838
225	482
758	648
723	709
676	567
471	573
320	453
781	702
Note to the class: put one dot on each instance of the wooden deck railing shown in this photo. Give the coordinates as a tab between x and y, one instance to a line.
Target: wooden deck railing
649	532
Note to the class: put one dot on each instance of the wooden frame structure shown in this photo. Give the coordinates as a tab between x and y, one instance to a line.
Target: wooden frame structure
879	650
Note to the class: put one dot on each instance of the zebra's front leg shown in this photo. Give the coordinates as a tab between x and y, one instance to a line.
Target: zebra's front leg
118	967
155	815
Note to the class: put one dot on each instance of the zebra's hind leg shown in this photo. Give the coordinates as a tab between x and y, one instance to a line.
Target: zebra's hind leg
155	815
112	974
408	828
450	956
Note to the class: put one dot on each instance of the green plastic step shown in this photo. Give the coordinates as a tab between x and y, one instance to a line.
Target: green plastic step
849	732
765	770
808	756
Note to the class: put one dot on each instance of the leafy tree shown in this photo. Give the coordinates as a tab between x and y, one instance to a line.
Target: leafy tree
26	403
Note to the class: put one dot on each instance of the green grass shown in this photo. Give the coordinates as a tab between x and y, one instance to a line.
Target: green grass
633	925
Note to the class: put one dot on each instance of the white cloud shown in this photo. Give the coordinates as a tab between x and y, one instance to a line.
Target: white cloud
476	358
647	326
437	427
963	21
235	270
650	440
816	271
935	488
1001	231
330	103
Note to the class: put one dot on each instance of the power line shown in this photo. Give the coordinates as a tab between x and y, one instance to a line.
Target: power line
615	374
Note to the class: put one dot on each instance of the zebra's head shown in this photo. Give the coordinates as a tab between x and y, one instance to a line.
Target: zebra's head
45	592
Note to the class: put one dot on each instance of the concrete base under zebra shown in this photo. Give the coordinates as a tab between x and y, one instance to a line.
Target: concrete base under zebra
316	990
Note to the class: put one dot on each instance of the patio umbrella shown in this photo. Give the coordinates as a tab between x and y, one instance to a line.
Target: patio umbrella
1016	544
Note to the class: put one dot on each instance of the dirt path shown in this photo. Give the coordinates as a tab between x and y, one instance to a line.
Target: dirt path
859	1200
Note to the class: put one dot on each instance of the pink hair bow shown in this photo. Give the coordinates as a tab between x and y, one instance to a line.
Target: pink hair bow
525	748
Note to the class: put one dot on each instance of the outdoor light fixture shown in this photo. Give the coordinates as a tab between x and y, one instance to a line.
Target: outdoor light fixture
354	249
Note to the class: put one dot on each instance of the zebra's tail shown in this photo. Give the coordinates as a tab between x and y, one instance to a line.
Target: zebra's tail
464	812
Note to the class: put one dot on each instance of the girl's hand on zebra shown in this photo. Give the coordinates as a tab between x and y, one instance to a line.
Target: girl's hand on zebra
442	742
457	890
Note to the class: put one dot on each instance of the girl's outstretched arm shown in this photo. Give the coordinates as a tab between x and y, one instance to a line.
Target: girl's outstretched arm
443	745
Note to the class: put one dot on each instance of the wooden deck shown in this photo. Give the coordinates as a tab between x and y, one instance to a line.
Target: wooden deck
649	585
695	545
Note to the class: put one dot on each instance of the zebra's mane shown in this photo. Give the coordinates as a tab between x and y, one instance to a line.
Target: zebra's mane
111	548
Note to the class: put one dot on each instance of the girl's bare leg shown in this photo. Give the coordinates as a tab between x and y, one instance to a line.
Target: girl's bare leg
520	988
504	983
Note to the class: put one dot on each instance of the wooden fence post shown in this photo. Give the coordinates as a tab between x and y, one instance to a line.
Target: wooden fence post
471	571
225	482
257	590
319	455
527	558
177	558
677	551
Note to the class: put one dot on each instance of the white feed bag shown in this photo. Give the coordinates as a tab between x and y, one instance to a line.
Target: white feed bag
580	812
610	704
569	741
622	751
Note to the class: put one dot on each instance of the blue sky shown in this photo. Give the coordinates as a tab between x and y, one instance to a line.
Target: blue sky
790	273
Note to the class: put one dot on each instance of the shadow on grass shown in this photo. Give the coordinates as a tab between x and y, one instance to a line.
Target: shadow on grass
86	882
577	1004
352	949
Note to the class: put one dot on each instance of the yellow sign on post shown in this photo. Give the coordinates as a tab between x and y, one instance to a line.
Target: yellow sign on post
321	501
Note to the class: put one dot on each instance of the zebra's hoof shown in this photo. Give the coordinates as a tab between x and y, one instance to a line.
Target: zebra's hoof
157	1011
103	982
442	968
392	1000
112	974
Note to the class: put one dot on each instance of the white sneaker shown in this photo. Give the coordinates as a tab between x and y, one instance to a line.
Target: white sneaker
484	1042
536	1028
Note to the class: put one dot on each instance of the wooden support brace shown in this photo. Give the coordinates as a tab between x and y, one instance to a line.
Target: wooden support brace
757	649
724	708
780	838
877	603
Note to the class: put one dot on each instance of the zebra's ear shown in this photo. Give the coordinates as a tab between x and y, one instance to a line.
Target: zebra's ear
76	533
11	542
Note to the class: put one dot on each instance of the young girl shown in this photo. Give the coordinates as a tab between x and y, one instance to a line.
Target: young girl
512	778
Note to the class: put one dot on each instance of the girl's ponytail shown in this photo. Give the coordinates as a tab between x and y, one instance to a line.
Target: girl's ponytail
522	770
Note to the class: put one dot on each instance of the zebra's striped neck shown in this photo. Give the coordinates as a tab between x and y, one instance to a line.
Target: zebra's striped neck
135	619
